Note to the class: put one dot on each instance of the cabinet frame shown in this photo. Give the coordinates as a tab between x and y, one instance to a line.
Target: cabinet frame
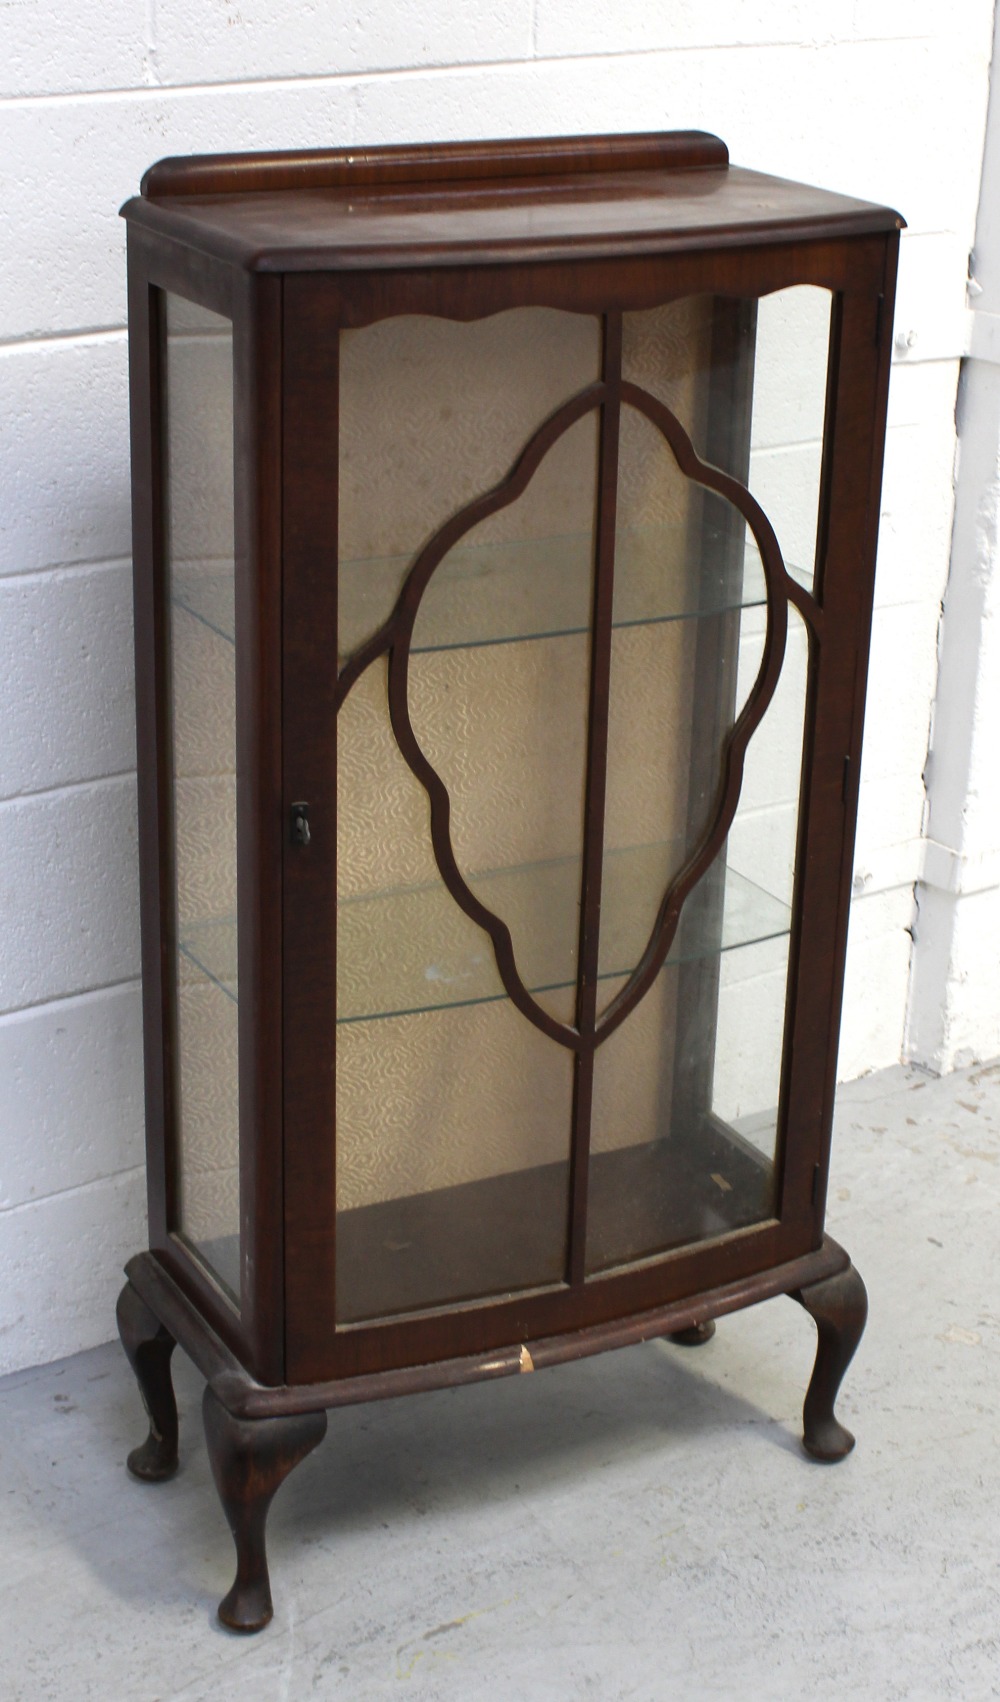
281	1351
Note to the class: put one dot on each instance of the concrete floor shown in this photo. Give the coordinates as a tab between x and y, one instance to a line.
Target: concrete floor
641	1525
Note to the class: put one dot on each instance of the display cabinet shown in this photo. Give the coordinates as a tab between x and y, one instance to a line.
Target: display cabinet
505	521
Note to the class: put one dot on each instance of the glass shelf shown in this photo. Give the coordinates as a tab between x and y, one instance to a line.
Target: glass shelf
415	950
503	593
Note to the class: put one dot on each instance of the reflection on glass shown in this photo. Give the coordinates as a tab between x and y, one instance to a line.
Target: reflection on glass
747	380
751	1007
686	1090
789	409
200	591
412	949
673	697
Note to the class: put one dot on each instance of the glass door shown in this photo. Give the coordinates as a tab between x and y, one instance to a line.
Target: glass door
462	763
574	653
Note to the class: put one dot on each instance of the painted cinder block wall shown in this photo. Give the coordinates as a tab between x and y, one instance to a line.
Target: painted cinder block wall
887	102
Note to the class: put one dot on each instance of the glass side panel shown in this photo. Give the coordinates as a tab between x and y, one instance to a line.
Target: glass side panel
789	410
200	593
747	380
686	1090
762	842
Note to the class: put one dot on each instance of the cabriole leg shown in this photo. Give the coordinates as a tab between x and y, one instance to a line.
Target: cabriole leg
149	1346
839	1306
696	1335
250	1460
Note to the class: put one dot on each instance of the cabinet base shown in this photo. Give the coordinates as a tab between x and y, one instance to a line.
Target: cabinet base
257	1434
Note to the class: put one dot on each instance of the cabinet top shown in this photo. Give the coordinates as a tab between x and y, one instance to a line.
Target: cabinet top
484	202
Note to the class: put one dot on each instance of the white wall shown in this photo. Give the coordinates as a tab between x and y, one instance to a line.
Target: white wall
886	102
954	1010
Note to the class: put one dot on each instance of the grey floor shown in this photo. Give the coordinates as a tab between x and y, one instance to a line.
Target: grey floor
640	1525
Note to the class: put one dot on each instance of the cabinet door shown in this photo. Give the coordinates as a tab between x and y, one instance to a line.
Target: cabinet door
208	661
462	768
566	565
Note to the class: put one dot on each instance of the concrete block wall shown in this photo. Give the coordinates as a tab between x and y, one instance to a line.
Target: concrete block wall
954	1006
869	96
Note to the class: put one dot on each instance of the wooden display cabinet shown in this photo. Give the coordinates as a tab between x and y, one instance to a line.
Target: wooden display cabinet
505	521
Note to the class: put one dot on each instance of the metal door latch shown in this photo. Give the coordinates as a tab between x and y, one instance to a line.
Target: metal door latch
300	834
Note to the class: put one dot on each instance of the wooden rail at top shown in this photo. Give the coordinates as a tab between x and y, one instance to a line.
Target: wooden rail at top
422	162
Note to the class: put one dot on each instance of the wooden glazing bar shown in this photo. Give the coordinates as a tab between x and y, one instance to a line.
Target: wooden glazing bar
597	770
257	533
311	399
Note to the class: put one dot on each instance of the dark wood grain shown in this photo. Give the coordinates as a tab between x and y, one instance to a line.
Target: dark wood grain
592	869
152	739
527	199
839	1307
148	1346
436	162
464	292
498	223
244	1397
258	540
309	698
460	1330
845	559
250	1461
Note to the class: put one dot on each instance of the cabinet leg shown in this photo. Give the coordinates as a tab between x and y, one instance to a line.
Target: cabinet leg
250	1460
149	1346
839	1306
696	1335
